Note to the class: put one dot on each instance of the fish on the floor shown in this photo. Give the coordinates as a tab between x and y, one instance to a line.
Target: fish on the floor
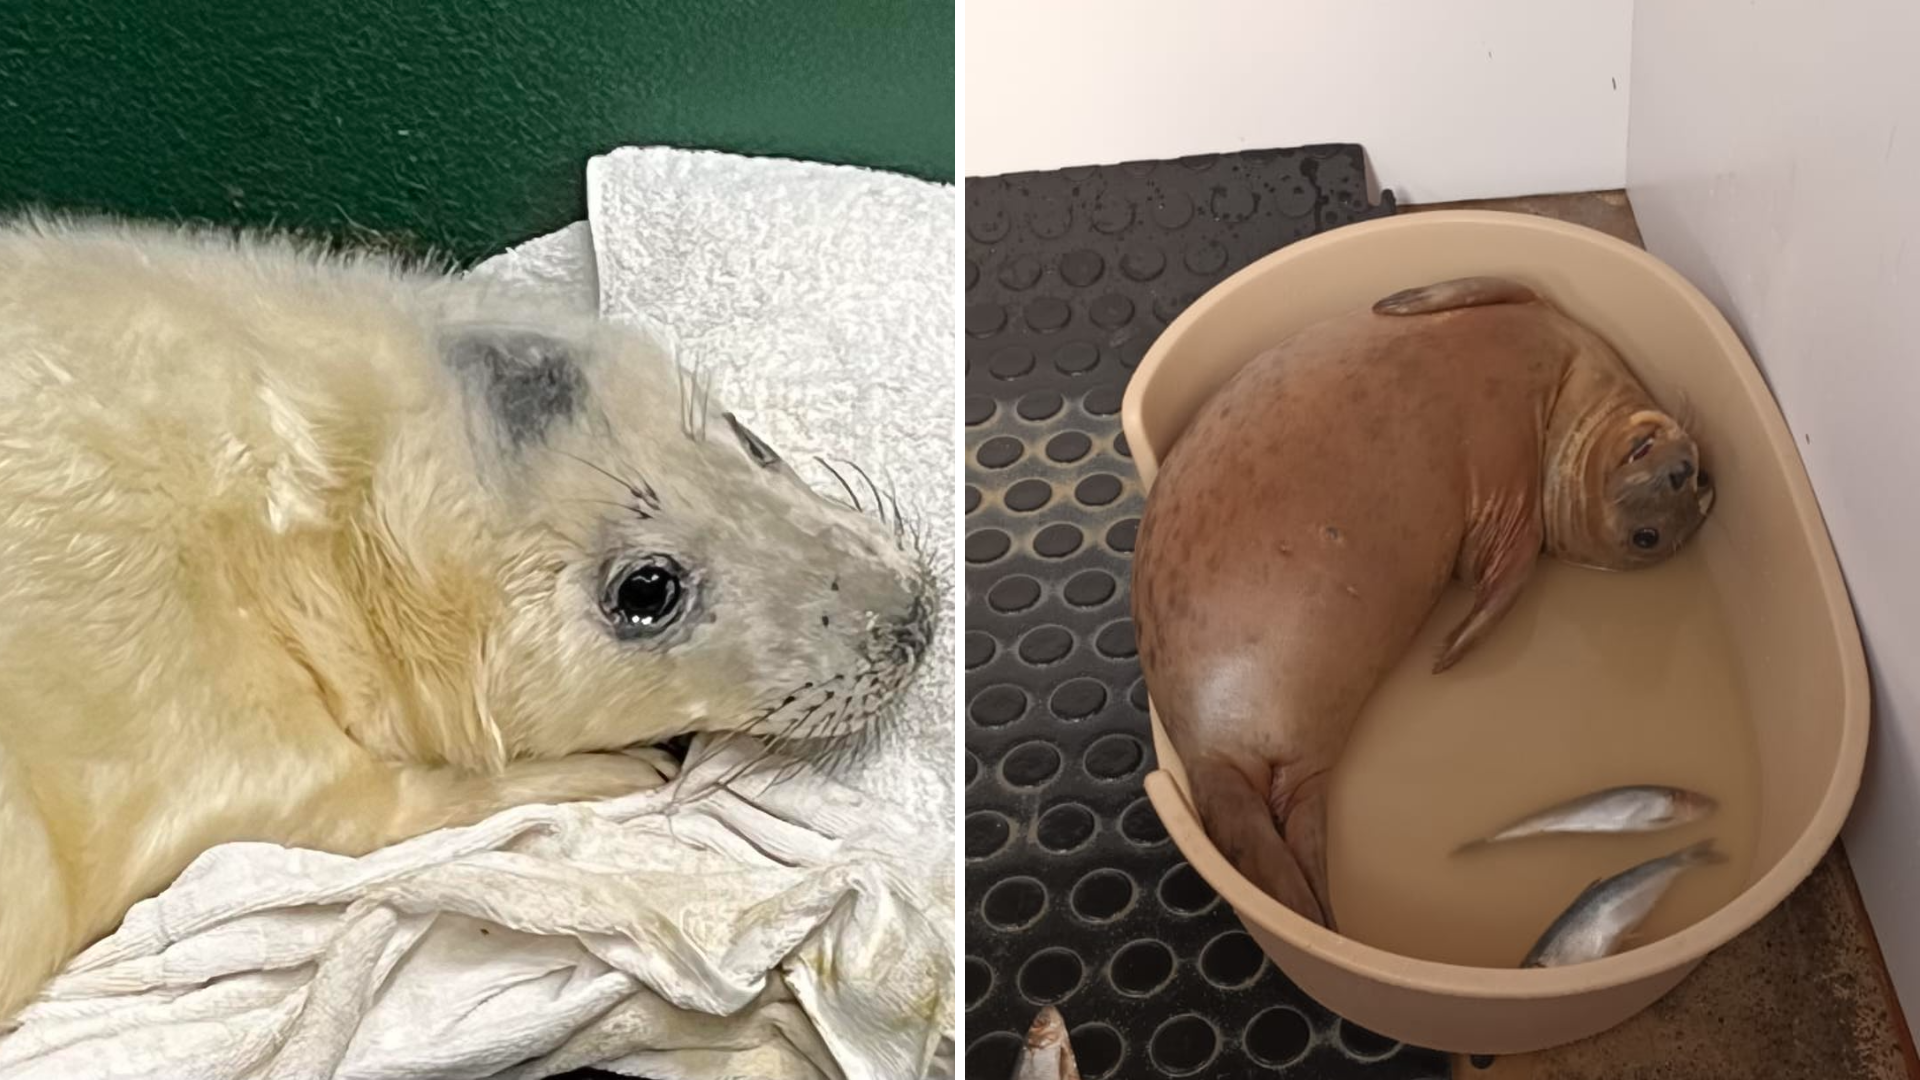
1633	808
1610	909
1048	1054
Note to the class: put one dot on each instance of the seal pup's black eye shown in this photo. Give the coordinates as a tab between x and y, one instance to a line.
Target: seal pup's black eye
1646	539
645	599
1640	448
760	452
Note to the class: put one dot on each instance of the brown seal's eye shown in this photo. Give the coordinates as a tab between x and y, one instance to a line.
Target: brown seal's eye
1646	539
1640	448
760	452
646	599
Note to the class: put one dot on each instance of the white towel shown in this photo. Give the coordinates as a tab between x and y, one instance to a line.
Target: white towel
802	930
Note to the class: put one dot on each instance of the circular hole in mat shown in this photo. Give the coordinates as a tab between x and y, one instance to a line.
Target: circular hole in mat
1064	826
1050	976
973	767
1141	968
995	1054
986	545
973	498
1121	537
1102	895
1102	401
1010	362
998	705
1046	644
1141	824
1076	357
1113	756
1231	960
1056	541
980	648
999	452
1014	593
1013	903
1183	1045
1040	405
1184	892
979	981
1068	447
1097	490
1077	699
1027	496
1089	588
1097	1050
1277	1037
1116	640
987	832
980	409
1030	764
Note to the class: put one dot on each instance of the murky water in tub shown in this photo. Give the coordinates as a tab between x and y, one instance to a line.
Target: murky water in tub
1594	680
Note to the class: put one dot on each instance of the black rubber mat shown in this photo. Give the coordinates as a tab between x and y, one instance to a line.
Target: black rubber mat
1074	894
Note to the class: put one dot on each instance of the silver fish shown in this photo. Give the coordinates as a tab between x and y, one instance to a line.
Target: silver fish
1048	1054
1632	809
1608	910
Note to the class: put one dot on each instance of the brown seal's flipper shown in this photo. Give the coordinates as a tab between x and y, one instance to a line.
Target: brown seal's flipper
1500	566
1458	293
1236	815
1306	830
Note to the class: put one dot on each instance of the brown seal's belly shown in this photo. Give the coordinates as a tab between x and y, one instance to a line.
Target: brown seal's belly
1305	524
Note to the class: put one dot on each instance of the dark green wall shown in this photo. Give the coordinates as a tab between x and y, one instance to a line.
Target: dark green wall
463	126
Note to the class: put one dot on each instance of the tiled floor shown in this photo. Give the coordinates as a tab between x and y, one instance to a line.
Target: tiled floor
1801	996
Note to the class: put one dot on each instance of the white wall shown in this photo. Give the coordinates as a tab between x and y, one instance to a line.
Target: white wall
1774	158
1456	100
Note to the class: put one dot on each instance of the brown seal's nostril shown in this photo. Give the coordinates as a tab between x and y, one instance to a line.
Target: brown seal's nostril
1681	473
1706	481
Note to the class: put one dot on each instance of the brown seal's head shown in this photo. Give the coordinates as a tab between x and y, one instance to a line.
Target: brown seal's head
1626	490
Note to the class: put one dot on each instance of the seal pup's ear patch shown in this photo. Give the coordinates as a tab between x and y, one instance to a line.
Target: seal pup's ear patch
529	380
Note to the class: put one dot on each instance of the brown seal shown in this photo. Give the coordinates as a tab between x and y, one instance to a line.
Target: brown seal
1307	522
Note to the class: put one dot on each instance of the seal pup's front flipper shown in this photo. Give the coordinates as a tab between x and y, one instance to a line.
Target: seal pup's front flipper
1457	293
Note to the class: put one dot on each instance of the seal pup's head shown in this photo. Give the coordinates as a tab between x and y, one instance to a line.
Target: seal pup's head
1628	489
644	564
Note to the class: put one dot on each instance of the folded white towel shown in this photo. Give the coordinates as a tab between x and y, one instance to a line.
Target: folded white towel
801	930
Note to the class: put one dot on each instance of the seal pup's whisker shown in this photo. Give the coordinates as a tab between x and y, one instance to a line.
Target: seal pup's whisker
893	496
879	503
642	491
855	499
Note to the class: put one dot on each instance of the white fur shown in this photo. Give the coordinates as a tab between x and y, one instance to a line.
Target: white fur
269	570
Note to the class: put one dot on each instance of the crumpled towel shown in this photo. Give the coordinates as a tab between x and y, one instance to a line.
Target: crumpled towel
695	932
707	924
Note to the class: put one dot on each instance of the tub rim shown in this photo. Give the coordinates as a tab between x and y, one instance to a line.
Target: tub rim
1641	964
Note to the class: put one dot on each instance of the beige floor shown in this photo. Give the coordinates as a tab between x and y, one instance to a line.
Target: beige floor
1801	996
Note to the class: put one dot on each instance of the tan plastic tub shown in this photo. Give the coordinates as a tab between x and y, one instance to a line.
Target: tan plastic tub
1799	648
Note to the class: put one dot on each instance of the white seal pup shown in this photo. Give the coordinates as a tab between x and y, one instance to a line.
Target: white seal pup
330	551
